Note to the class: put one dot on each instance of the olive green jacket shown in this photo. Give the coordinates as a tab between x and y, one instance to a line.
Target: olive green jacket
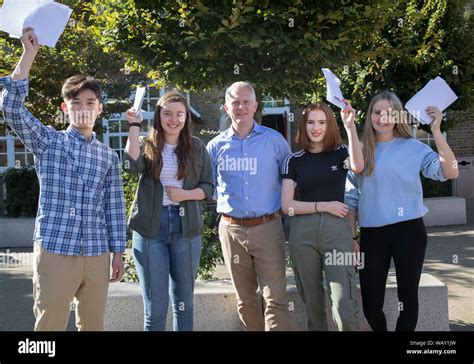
145	216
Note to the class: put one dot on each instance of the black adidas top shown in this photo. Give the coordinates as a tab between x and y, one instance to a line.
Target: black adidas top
318	176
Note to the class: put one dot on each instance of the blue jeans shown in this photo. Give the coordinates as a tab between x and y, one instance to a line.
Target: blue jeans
168	263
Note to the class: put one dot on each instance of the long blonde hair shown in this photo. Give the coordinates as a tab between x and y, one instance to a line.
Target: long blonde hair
401	129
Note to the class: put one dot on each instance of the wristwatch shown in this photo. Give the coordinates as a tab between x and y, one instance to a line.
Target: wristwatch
134	124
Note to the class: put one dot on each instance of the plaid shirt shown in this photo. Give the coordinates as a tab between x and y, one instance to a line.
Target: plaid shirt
81	208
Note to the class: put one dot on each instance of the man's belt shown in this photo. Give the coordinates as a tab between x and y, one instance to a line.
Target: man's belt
252	221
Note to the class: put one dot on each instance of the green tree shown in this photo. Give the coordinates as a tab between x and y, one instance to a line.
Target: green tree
421	41
280	46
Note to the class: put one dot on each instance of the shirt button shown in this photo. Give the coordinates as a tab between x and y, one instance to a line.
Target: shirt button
246	198
246	183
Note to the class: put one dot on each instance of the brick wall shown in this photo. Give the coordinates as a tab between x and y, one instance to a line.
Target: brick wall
461	137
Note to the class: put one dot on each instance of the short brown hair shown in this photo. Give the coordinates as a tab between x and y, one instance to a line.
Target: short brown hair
75	84
332	138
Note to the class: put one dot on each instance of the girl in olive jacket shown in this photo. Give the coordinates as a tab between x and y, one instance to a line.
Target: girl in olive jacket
166	219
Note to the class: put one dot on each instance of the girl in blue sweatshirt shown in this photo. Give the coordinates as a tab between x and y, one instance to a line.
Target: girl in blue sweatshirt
388	197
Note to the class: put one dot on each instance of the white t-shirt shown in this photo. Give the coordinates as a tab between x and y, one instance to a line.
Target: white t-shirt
169	172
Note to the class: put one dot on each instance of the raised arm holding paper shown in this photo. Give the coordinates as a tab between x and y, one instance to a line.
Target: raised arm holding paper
435	93
334	96
47	18
446	155
427	106
30	50
134	119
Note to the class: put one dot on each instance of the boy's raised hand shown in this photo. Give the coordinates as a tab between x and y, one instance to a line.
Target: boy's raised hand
29	41
30	49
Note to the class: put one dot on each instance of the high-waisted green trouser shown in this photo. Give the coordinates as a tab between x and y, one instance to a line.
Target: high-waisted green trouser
323	242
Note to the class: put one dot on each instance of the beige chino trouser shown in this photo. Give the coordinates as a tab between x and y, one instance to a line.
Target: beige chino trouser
255	257
58	279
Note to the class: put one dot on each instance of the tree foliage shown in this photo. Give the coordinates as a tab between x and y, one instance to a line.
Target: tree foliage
280	46
421	41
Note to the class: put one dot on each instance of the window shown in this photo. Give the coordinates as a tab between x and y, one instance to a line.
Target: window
22	156
116	131
116	127
13	152
3	153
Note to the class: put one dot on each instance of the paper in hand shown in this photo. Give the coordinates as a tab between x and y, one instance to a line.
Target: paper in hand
435	93
333	91
47	18
49	22
14	13
139	97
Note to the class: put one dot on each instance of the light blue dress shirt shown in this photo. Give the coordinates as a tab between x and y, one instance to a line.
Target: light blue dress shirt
246	171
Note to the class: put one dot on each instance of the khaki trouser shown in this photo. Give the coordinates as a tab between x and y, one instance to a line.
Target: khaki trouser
58	279
255	256
316	243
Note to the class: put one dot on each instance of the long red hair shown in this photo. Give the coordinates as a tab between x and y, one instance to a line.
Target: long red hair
332	138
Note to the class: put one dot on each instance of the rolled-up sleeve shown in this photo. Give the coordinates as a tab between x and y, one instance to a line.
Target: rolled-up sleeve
351	196
431	166
29	129
132	166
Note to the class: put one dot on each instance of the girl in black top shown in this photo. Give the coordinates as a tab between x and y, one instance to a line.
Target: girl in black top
320	235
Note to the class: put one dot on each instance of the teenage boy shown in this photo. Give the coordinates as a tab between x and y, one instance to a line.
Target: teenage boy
81	214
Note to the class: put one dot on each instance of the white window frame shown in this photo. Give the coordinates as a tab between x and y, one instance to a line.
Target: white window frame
10	138
107	135
147	115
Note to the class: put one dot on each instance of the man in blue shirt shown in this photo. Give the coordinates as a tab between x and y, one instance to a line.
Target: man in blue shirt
246	159
81	212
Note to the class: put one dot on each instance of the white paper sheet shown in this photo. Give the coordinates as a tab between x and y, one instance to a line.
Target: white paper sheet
49	22
14	13
435	93
46	17
333	91
139	97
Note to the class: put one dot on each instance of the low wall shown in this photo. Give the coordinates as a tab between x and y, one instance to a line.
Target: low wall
216	307
16	232
445	211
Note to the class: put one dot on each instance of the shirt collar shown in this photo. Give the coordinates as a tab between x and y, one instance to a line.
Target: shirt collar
76	134
257	128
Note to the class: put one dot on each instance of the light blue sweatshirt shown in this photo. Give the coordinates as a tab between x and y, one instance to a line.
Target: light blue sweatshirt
393	193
